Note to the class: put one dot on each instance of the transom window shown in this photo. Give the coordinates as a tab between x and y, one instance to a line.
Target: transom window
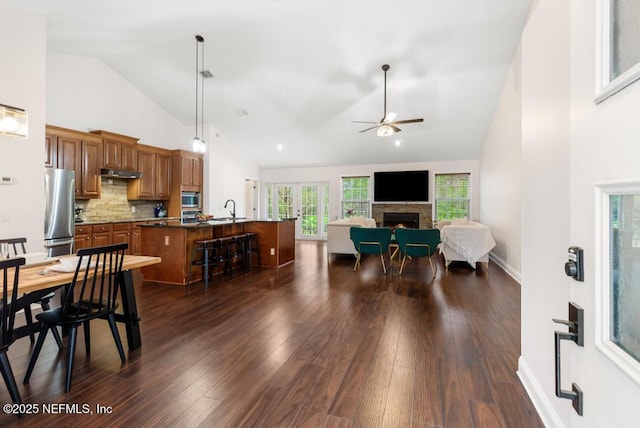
452	196
356	196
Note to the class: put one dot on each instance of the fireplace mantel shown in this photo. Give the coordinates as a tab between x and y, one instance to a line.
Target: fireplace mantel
423	209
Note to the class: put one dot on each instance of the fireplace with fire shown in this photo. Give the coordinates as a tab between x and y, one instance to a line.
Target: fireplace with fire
392	220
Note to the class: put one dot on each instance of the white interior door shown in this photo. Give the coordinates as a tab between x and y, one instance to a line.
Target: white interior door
251	200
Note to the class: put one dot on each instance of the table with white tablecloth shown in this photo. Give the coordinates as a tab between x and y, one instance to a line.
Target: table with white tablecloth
469	242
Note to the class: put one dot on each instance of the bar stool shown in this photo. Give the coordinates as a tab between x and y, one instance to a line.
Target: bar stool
208	248
225	255
251	246
235	247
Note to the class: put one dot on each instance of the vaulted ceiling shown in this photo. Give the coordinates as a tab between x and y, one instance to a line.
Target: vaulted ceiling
302	70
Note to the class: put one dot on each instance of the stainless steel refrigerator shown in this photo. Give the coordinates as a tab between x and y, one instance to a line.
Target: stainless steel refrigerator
59	226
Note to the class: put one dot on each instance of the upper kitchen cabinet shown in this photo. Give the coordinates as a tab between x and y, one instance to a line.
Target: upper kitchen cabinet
118	151
190	166
77	151
186	170
155	166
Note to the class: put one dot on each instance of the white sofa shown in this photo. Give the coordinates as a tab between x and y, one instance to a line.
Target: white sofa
466	241
338	240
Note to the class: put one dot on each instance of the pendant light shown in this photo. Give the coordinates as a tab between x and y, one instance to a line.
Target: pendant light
198	141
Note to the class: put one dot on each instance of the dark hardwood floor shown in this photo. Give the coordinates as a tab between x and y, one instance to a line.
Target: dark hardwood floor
307	345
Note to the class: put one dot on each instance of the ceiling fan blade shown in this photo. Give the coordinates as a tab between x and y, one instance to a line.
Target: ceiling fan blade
373	127
395	128
362	121
398	122
389	117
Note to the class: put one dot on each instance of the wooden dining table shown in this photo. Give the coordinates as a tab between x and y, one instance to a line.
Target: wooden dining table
40	279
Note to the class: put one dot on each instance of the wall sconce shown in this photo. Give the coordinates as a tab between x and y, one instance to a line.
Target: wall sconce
13	122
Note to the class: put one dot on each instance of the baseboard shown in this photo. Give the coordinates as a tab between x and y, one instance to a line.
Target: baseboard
506	267
547	413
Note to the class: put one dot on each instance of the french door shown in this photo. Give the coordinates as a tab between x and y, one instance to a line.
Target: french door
308	202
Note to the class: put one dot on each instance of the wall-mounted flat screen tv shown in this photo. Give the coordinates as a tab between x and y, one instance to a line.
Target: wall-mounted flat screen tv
401	186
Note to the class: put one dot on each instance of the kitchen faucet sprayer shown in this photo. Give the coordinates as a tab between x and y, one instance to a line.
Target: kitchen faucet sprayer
233	211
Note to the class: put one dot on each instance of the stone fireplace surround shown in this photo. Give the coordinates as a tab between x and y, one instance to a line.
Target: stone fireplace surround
423	209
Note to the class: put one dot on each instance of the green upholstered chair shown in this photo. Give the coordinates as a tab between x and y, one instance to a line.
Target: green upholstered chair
370	240
417	243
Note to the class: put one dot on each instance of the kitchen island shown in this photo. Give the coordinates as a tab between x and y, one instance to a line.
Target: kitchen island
174	241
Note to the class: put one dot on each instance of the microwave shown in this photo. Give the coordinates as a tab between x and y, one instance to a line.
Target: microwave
190	200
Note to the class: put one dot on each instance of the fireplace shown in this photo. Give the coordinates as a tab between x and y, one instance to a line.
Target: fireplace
406	219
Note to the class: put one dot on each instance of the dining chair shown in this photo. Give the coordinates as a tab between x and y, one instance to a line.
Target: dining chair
17	248
370	240
417	243
7	319
92	294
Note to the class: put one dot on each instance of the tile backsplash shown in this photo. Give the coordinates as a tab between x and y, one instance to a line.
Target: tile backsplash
113	204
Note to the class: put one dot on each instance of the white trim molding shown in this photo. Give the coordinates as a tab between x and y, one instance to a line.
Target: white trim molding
547	413
602	286
605	86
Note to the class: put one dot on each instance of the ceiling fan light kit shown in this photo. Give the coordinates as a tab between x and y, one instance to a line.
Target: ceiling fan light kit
387	125
385	131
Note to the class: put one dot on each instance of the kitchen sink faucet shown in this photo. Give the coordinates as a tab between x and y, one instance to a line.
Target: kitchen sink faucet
233	211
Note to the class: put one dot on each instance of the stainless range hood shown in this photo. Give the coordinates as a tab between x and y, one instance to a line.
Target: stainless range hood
114	173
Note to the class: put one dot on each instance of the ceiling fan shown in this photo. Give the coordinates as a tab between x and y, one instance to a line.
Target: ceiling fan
387	125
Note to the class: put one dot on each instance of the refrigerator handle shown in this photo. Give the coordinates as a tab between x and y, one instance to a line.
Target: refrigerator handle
59	243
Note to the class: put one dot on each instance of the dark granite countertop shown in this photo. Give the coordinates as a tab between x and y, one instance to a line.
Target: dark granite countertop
216	222
131	220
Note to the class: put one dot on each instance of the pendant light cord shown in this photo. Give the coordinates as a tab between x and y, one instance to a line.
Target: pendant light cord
202	97
197	41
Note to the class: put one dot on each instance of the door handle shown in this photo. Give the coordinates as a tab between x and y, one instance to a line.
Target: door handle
576	335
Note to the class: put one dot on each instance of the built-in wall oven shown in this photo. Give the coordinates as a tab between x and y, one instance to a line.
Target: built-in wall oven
189	216
190	200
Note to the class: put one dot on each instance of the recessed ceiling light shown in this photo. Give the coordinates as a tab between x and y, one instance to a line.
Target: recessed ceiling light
397	143
280	147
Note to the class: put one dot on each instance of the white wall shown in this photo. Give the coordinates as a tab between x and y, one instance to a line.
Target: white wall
545	83
22	84
334	174
228	168
85	94
501	175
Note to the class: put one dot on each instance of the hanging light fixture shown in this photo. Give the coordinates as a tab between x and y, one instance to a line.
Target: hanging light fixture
198	140
13	122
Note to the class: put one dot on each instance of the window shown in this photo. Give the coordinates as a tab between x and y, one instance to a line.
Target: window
624	218
452	196
618	48
355	196
617	278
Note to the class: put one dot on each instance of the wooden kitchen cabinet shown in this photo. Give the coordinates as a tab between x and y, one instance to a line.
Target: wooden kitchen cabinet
101	234
119	151
190	165
155	166
91	154
98	235
163	176
82	238
136	238
77	151
122	234
187	170
50	150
